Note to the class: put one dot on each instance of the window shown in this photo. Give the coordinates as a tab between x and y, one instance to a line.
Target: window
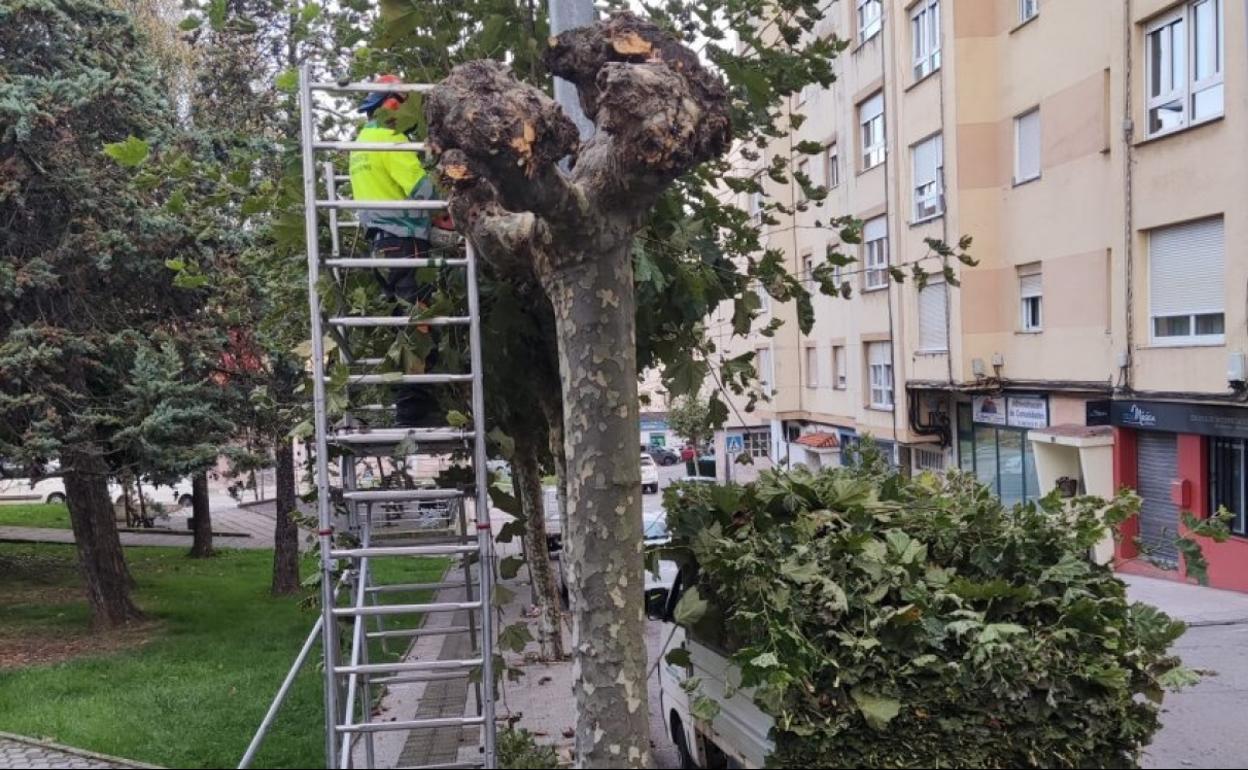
766	370
803	172
812	366
928	183
756	208
1000	458
875	253
1027	146
927	459
1184	66
764	300
925	38
808	269
840	375
1030	297
758	443
1027	10
833	171
871	121
880	368
933	336
1227	476
1186	289
870	13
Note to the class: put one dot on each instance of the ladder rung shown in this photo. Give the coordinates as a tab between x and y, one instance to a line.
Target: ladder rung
401	633
398	435
393	587
371	146
363	262
397	88
411	204
367	362
398	320
402	550
406	609
436	677
404	379
401	495
411	724
409	666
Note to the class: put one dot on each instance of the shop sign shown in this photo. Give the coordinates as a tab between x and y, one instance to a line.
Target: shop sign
989	409
1027	411
1201	419
653	424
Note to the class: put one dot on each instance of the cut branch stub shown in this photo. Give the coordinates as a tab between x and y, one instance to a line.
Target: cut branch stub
508	125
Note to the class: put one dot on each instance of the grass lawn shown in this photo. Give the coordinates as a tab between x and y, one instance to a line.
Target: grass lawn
55	515
188	689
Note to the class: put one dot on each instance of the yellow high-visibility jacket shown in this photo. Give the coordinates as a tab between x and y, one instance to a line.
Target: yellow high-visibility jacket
390	176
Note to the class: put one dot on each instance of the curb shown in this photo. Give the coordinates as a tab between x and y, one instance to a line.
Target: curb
74	752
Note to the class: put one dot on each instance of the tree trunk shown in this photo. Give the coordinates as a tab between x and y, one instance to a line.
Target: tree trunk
103	563
285	531
528	475
594	311
201	518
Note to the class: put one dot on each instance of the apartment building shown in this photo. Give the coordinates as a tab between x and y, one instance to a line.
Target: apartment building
1097	152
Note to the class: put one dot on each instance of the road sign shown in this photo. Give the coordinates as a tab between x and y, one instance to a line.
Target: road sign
734	444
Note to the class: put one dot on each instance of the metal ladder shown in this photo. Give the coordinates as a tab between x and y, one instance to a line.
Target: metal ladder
389	524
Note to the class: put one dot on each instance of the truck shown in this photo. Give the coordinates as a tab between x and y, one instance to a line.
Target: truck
738	735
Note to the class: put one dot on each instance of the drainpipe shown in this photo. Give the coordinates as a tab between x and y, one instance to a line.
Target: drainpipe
1128	235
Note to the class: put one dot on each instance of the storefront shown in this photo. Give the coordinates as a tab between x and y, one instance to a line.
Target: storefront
1182	457
993	445
654	430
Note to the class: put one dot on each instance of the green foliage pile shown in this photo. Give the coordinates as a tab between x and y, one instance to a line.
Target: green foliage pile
518	748
892	622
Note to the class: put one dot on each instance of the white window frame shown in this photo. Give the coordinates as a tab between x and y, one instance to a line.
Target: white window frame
840	368
942	329
880	376
832	162
808	267
872	128
812	366
765	363
1028	298
1019	178
756	208
1028	10
929	184
925	38
803	168
875	257
1191	338
870	19
924	458
1184	89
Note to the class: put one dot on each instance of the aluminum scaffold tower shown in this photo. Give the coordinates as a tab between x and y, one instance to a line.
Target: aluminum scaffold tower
361	524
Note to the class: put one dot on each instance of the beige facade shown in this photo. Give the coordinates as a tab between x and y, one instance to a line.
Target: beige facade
1047	159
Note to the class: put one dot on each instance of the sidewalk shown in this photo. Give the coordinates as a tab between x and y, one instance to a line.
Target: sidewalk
1195	605
18	752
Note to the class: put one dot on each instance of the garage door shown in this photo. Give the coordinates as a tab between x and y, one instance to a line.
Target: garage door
1156	466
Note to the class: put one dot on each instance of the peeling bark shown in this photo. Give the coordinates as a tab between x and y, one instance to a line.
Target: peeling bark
658	114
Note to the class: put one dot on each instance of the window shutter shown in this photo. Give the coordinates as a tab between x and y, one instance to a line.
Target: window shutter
1186	272
872	107
926	161
879	353
1030	284
874	229
932	317
1028	145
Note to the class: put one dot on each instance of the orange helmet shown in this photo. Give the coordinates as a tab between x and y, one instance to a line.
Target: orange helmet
385	99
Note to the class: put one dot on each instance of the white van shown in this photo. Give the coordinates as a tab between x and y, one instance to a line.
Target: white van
17	487
738	735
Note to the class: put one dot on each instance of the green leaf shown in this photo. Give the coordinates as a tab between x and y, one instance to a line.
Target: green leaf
509	531
679	656
515	637
510	566
287	81
878	710
506	444
690	608
457	419
766	660
130	153
190	22
704	708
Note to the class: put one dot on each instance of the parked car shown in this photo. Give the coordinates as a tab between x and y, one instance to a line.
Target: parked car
649	474
554	523
662	455
654	532
737	735
16	486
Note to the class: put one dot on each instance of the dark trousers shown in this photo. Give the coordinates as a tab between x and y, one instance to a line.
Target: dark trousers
415	405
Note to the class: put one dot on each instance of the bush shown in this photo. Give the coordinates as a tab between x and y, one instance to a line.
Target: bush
894	622
518	749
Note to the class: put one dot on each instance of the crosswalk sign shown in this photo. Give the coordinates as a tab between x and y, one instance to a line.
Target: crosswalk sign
734	444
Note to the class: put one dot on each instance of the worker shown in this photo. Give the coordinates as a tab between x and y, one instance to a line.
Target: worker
393	176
